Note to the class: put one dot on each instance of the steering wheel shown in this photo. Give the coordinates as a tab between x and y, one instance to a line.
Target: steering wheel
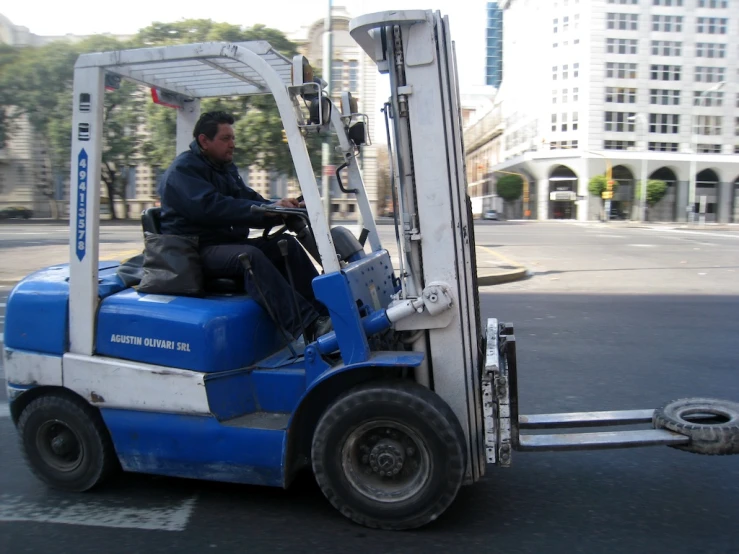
288	223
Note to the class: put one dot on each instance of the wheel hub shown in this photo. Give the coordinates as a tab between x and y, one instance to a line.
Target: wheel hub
387	458
63	443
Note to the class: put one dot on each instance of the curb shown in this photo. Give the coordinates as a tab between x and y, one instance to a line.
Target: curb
500	278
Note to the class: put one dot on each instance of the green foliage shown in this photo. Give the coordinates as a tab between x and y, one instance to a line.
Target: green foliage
510	187
36	82
599	184
656	190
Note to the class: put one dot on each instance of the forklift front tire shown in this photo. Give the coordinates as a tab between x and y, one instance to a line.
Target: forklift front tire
65	443
389	455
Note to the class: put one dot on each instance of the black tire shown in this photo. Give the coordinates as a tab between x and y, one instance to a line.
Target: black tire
66	443
712	425
416	464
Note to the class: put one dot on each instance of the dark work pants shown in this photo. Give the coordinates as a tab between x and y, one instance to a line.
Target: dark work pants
268	266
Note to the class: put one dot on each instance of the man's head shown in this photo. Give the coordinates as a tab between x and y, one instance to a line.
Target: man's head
215	135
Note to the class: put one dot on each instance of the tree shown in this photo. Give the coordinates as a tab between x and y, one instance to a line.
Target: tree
258	123
37	83
121	142
656	190
509	187
597	185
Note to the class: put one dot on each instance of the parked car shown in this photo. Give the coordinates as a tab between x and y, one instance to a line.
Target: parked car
491	215
15	212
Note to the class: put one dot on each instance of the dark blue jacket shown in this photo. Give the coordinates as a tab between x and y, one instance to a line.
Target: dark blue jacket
202	199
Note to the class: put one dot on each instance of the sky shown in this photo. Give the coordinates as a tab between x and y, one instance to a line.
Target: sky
82	17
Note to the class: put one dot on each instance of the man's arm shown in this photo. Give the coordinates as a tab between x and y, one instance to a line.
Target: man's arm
191	194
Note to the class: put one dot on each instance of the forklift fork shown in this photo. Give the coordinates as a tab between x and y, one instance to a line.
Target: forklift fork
503	424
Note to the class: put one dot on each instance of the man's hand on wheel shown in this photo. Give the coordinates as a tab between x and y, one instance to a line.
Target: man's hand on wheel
286	203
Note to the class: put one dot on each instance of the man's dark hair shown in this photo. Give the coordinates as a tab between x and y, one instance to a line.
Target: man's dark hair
208	124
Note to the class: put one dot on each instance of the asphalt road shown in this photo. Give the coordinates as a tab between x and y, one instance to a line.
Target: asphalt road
605	322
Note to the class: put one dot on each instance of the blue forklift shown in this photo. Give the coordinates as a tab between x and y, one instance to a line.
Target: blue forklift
411	396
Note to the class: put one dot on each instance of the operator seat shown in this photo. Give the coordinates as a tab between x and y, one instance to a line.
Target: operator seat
151	221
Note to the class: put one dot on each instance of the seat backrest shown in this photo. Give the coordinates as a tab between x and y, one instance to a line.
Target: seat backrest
151	220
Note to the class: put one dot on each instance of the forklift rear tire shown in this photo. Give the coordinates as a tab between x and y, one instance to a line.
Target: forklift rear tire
712	425
389	455
66	443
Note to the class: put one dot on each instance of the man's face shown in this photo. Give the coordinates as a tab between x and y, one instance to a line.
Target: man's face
221	148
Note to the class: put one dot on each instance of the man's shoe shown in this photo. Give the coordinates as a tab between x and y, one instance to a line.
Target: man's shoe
319	327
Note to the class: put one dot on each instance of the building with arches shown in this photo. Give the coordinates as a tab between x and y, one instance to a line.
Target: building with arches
647	87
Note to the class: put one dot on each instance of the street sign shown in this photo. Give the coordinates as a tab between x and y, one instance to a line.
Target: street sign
562	196
607	195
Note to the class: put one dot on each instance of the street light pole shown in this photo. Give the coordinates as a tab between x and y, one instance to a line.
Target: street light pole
326	146
694	155
641	118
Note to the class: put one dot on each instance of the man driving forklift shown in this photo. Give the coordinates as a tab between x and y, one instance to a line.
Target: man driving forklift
203	195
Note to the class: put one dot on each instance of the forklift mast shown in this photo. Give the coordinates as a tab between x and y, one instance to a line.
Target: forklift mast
436	232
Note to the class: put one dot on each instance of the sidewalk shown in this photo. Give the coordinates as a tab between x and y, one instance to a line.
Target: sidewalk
492	268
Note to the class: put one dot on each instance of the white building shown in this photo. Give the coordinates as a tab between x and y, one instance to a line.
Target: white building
353	71
625	82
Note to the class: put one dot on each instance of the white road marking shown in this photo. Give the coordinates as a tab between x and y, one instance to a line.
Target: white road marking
705	234
4	409
95	514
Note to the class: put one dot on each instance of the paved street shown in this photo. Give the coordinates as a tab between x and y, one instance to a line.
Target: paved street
613	317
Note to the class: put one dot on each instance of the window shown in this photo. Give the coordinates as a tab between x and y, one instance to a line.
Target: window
709	148
620	122
564	122
565	24
664	97
665	73
554	96
667	23
576	90
666	48
736	126
565	72
563	145
668	3
564	96
618	144
354	76
554	73
664	146
737	99
709	125
621	70
575	70
709	74
577	21
621	46
622	21
618	95
664	123
710	50
736	149
554	26
634	2
575	122
713	4
554	122
708	99
337	74
712	25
